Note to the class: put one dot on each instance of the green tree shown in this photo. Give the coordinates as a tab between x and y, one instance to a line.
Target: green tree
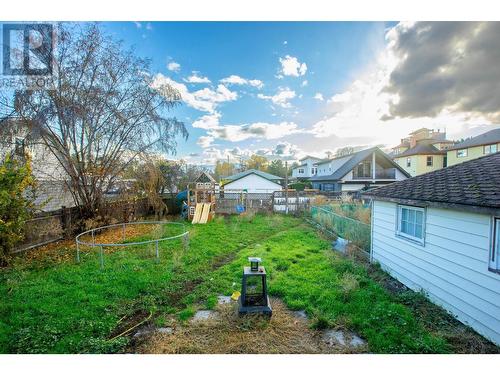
16	202
257	162
277	168
223	169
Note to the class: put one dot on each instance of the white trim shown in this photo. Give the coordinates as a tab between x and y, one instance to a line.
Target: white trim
494	254
420	241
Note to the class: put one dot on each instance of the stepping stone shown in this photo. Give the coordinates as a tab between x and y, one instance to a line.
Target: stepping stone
202	315
356	341
301	314
165	330
222	300
334	337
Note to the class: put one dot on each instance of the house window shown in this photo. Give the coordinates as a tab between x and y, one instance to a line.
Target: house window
490	149
494	264
429	161
408	162
411	223
314	170
301	170
462	153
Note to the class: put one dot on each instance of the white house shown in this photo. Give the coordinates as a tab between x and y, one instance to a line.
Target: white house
307	167
253	181
440	232
359	170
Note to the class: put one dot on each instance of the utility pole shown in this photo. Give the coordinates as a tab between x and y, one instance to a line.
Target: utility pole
286	187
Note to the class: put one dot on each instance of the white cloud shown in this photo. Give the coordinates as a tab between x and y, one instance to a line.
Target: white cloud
237	80
196	78
282	98
205	100
173	66
260	130
319	96
207	122
222	94
290	66
205	141
362	110
304	83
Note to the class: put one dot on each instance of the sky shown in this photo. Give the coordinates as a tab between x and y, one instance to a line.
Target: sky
290	89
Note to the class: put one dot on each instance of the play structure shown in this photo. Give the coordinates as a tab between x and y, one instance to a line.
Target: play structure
200	196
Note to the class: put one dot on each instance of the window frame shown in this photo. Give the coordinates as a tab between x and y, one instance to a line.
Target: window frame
466	153
489	148
408	162
494	254
301	170
406	236
431	160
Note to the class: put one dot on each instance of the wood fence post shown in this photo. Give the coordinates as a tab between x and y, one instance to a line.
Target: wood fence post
66	221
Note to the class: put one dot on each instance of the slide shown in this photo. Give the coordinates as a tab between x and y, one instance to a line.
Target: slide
197	213
204	215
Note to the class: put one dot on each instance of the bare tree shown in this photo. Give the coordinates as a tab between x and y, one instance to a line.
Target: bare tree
103	113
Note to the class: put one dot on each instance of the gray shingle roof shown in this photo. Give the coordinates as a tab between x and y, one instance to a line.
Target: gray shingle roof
493	136
354	159
421	149
265	175
473	185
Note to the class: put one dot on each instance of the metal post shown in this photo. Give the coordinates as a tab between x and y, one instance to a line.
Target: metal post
93	237
157	252
185	241
77	253
102	257
123	231
286	187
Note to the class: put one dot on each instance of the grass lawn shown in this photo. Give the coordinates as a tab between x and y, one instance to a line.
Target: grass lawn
63	307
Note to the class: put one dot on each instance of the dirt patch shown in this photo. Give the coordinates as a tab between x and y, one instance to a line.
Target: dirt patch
231	334
63	251
130	324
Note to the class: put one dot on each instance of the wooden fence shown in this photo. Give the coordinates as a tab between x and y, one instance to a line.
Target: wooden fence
56	225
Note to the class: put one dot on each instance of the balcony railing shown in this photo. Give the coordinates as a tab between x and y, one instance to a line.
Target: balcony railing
380	174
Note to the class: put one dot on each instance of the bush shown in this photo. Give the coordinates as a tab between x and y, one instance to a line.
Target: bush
16	203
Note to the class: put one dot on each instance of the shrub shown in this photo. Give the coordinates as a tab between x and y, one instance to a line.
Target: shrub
16	202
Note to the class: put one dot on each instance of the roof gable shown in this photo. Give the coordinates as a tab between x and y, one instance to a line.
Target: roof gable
265	175
354	159
490	137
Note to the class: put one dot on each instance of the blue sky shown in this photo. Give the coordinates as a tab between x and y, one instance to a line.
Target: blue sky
334	53
289	89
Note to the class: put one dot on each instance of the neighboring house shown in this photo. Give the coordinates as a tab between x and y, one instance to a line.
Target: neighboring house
253	181
17	139
472	148
307	167
440	233
357	171
423	151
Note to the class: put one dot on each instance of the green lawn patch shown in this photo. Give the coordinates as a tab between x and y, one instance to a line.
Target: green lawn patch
76	308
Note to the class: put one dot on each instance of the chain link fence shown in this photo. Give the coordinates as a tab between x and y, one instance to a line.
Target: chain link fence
357	232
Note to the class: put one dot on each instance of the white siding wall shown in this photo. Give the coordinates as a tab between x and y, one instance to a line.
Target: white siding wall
254	184
452	267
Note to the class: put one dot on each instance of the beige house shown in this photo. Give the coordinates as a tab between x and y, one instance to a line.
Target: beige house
423	151
473	148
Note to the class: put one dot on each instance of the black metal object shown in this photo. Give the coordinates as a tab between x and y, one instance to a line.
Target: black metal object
254	298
